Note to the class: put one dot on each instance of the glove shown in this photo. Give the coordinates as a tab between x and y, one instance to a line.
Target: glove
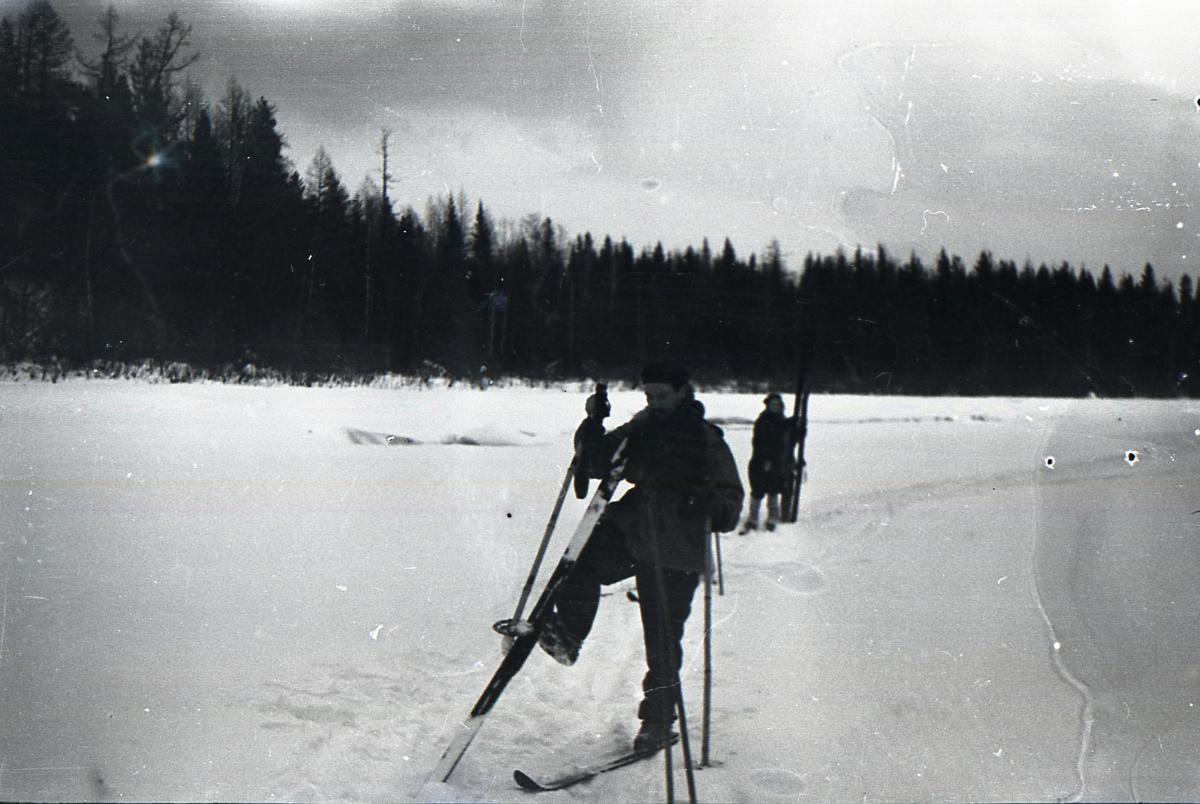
721	517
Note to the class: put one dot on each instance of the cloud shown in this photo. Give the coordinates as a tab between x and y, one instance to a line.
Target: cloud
818	123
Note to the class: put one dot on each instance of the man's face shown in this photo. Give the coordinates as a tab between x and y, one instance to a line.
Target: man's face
776	407
662	399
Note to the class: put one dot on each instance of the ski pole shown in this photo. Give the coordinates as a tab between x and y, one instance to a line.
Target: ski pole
669	771
602	409
523	644
668	649
537	561
705	731
720	572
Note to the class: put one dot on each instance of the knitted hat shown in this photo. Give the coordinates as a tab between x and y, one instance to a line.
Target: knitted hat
772	397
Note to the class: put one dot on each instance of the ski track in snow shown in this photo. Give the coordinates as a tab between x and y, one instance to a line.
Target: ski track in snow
483	437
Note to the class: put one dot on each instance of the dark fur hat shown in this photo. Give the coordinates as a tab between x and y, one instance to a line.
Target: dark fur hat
672	374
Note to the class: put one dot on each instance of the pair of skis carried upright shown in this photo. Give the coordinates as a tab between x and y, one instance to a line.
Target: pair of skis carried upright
523	636
791	494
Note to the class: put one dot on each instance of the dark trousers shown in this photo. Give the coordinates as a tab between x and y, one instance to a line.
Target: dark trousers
606	560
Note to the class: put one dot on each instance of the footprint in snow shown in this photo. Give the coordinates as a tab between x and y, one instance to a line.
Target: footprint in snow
777	782
797	578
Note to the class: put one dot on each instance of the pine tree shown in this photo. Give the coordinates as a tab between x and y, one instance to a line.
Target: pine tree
485	286
9	69
231	124
43	47
458	339
153	75
328	204
1188	338
106	72
481	271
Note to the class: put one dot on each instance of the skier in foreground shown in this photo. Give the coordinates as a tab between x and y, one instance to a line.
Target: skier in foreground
771	463
685	485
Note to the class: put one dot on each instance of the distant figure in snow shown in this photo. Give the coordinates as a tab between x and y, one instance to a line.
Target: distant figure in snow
686	485
771	464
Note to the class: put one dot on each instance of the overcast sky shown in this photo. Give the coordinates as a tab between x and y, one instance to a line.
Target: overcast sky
1043	131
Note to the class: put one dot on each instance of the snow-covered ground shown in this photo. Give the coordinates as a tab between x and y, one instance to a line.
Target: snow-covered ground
243	593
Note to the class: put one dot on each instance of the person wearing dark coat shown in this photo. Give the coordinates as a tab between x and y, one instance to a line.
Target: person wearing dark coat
685	485
771	464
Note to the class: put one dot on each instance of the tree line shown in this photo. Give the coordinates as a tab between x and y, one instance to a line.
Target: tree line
139	218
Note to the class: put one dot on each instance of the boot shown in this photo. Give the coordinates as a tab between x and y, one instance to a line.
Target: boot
752	516
654	735
772	511
562	646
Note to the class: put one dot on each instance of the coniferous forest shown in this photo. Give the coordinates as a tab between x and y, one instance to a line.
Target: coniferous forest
140	219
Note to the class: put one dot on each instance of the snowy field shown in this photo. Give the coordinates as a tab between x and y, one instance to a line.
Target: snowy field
252	593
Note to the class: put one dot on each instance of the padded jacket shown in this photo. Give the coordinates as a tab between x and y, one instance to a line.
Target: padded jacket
685	484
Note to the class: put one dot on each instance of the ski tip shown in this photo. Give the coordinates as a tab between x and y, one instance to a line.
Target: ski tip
526	783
